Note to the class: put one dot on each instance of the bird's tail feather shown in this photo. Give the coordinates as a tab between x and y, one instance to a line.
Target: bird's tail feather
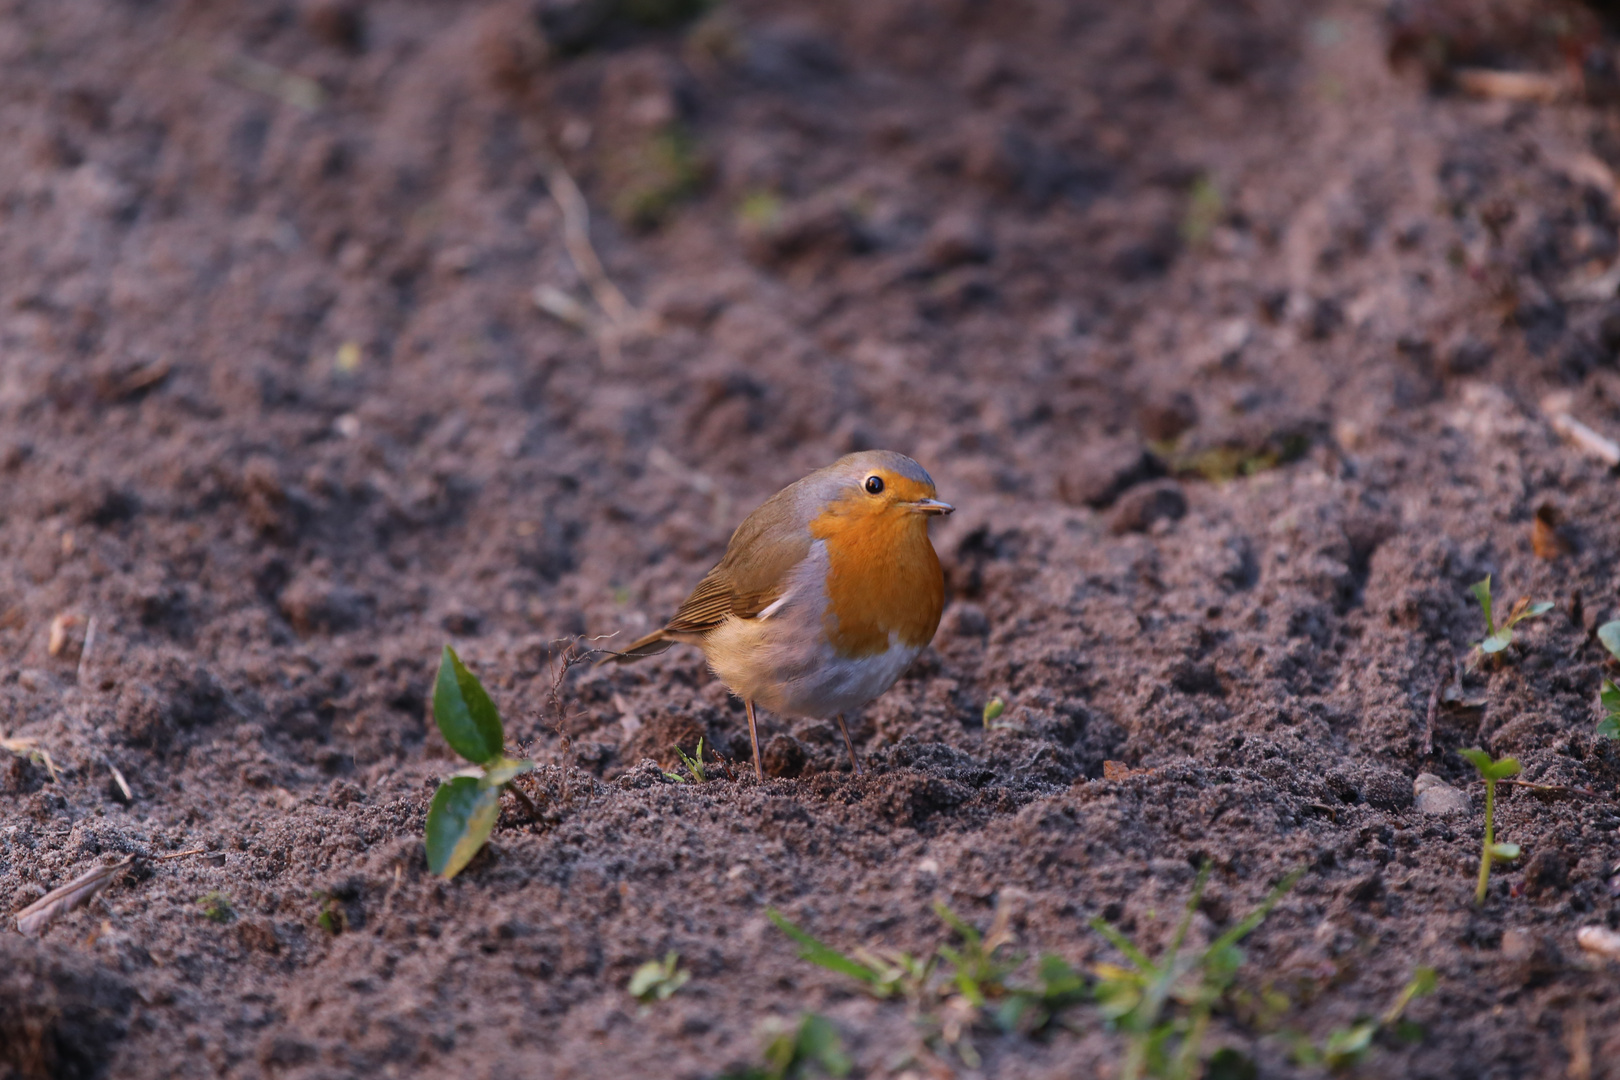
654	643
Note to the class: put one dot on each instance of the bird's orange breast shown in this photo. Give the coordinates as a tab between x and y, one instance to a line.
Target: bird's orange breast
883	581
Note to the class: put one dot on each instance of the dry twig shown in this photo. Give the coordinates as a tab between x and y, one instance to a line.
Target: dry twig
620	320
30	748
1514	85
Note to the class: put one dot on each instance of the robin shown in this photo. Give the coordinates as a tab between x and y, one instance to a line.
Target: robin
826	593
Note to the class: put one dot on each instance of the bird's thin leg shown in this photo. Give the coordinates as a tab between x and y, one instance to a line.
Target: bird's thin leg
853	760
753	734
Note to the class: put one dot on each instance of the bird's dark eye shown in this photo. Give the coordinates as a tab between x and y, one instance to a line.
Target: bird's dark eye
874	485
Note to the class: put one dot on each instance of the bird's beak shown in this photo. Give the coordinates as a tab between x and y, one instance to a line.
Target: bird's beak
931	507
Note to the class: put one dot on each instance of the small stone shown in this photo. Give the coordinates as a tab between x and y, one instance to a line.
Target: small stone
957	238
1533	958
969	620
1166	418
316	605
817	226
1467	355
463	621
340	23
1435	797
1106	471
1141	508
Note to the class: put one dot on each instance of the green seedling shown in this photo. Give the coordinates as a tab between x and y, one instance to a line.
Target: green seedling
694	765
1491	771
1205	208
331	918
465	807
657	980
809	1048
993	710
1499	637
1347	1046
216	907
1138	999
759	210
660	173
950	991
1609	693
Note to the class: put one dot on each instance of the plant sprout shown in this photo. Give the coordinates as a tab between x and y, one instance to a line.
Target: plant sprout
694	765
1499	637
993	710
216	907
1491	771
1347	1046
951	990
657	980
465	806
1135	998
1609	693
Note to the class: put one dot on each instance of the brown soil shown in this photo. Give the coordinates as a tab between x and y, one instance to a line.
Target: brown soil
1229	340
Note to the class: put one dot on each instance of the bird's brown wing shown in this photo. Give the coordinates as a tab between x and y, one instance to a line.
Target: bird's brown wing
752	576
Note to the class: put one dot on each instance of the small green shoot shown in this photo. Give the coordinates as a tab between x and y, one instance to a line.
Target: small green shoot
950	991
1609	693
1499	637
659	174
694	765
993	710
216	907
1347	1046
1491	771
1206	206
331	918
759	210
810	1047
657	980
1136	998
465	807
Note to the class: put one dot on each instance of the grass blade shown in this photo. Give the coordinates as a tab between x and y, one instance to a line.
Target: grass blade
823	955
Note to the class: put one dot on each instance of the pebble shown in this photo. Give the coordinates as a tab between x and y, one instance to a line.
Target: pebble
1434	796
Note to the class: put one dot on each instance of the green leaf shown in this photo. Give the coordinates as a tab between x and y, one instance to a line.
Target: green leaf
1505	852
458	823
1059	979
1503	768
814	1043
1424	980
1496	642
1478	758
1346	1046
1609	634
1482	593
1609	697
1409	1032
505	770
824	955
464	713
658	979
1536	610
993	710
1229	1064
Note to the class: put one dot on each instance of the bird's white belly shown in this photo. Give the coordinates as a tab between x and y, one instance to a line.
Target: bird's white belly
787	674
784	662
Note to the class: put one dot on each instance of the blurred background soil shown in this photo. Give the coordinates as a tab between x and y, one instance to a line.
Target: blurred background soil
1239	332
